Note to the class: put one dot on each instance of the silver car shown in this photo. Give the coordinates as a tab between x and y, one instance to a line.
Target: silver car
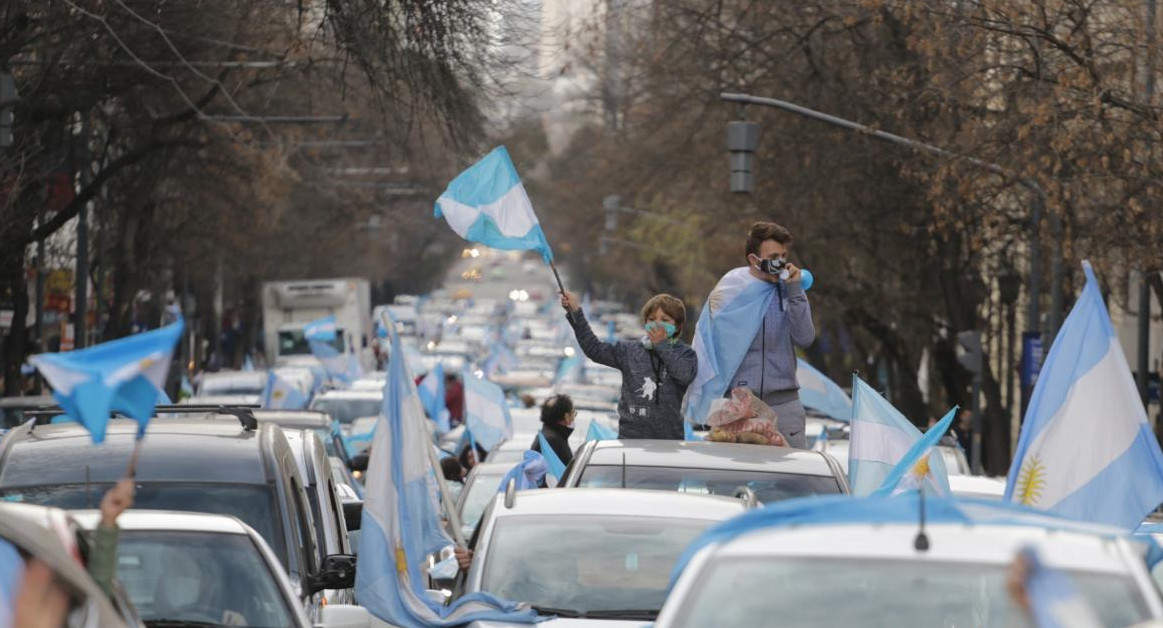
872	574
770	473
589	556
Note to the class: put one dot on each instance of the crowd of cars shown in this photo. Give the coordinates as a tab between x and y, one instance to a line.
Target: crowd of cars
251	516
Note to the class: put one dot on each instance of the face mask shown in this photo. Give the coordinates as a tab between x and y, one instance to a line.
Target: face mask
670	329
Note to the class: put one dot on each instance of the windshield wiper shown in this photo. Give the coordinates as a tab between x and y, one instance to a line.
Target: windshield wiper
560	612
623	614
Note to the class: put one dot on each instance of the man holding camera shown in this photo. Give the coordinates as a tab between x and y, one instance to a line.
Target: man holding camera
751	325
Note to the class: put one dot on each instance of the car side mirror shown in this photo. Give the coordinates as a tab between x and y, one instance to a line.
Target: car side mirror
343	616
353	515
337	572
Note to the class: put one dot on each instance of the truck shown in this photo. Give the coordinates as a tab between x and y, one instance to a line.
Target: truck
287	306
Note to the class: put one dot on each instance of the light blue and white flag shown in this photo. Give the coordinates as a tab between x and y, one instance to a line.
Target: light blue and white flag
552	460
818	392
727	326
125	375
281	394
528	473
488	204
431	391
486	411
1055	602
321	336
880	438
597	431
401	524
501	358
915	472
571	370
1086	451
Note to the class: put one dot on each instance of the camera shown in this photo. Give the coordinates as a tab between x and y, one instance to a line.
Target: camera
773	266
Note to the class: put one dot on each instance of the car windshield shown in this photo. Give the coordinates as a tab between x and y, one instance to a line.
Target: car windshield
292	342
768	487
216	579
880	594
480	492
625	567
347	410
253	504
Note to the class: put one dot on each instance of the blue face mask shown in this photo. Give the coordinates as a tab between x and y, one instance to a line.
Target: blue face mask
670	330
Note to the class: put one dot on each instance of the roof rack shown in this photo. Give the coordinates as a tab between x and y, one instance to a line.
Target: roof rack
243	412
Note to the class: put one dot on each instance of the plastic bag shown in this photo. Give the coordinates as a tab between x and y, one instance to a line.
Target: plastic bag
743	418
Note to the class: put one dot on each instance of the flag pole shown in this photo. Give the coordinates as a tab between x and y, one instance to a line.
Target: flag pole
131	470
560	286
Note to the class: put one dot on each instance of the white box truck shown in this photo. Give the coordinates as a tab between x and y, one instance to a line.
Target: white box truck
289	305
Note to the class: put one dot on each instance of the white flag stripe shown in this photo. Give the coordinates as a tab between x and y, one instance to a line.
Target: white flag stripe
512	213
878	442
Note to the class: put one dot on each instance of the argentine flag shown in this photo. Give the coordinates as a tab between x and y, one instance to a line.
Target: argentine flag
1055	601
528	473
126	375
597	431
488	204
1086	451
881	437
727	326
401	525
431	391
914	472
281	394
821	394
321	336
486	411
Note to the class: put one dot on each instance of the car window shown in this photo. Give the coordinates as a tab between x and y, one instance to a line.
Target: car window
347	410
336	513
478	495
625	566
880	594
252	503
300	523
768	487
200	577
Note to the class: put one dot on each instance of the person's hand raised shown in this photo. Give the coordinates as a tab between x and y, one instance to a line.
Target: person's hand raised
116	501
569	302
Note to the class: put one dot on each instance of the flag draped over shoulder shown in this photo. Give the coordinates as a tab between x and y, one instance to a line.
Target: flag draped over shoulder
125	375
401	525
820	393
486	411
880	438
487	204
1086	450
727	326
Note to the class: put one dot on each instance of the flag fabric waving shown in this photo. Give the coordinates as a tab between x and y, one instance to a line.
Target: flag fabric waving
915	470
1086	450
125	375
486	411
727	326
401	525
552	460
487	204
281	394
597	431
322	337
431	391
1055	602
880	438
528	473
820	393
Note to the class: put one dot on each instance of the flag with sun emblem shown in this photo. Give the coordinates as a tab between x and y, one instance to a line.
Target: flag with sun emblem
1086	450
124	375
914	472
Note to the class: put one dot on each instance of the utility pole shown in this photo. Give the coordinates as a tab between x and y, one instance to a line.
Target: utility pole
81	274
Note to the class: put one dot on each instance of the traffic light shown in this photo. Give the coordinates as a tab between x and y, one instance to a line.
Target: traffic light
969	352
742	140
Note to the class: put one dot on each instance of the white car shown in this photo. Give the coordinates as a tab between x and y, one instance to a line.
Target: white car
861	562
222	383
602	556
183	568
977	486
345	406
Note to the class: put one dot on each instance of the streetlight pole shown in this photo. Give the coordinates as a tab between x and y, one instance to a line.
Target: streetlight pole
1037	208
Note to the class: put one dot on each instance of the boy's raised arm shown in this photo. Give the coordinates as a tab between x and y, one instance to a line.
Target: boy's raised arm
595	349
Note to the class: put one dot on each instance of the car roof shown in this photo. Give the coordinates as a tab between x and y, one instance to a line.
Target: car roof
215	448
948	543
350	394
298	419
169	520
620	502
709	455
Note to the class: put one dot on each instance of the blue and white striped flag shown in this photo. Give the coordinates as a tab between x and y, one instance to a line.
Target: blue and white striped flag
488	204
401	524
126	375
528	473
915	472
1055	602
486	411
881	437
1086	451
281	394
727	326
431	391
818	392
322	337
597	431
552	460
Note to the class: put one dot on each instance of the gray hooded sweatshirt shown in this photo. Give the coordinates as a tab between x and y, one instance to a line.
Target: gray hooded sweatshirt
653	380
